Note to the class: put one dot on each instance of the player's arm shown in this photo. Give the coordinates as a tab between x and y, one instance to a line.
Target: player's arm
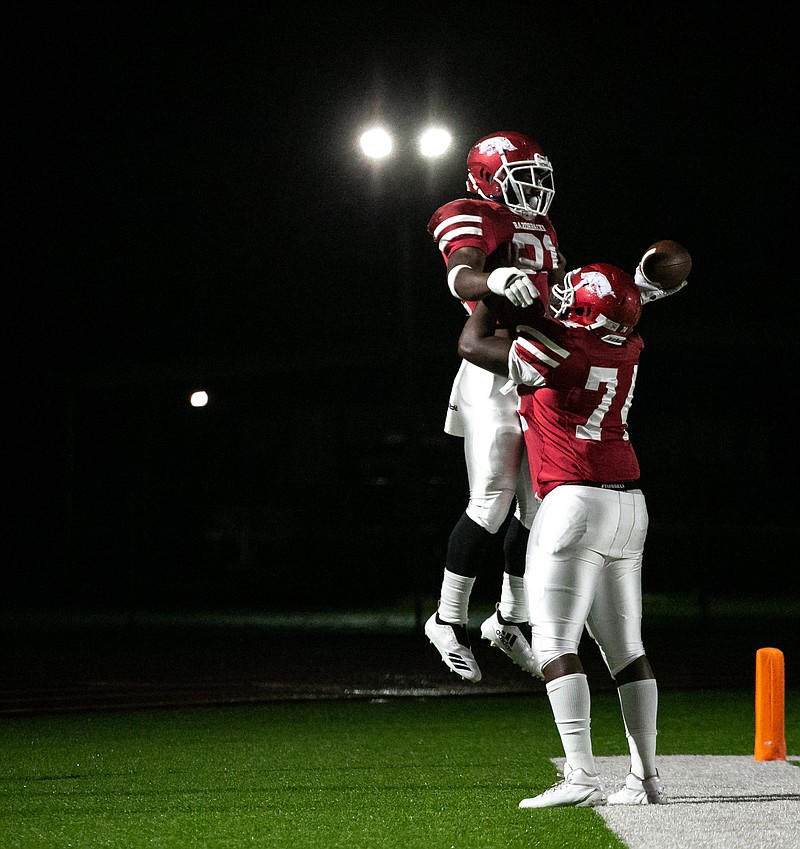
527	359
480	345
469	281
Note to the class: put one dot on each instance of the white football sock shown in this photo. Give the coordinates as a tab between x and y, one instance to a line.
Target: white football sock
639	703
571	705
454	600
513	599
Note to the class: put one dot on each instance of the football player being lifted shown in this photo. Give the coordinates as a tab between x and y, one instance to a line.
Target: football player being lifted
575	369
499	242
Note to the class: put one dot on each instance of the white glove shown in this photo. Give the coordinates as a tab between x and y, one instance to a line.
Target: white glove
513	284
649	291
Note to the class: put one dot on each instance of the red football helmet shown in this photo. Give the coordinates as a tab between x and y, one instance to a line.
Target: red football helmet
600	297
510	168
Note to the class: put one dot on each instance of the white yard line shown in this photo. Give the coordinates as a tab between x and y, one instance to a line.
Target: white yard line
715	802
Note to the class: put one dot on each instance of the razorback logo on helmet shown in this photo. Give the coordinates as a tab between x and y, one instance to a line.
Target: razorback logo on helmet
597	283
496	144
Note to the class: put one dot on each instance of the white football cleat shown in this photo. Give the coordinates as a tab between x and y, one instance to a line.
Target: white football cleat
640	791
577	790
452	642
511	639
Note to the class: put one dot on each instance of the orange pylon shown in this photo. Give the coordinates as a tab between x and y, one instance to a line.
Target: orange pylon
770	693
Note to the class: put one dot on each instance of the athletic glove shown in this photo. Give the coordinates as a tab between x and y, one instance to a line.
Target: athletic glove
513	284
649	291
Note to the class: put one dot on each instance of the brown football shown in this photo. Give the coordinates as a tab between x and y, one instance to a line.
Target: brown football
666	263
503	256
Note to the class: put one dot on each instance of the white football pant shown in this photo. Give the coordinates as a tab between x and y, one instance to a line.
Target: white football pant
584	566
494	448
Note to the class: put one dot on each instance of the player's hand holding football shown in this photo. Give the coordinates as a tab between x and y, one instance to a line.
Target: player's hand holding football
649	291
663	270
513	284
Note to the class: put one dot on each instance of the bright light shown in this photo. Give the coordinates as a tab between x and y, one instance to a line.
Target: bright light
376	143
199	399
434	142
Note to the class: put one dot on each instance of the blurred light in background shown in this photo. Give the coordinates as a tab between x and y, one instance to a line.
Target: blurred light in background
377	143
199	398
434	142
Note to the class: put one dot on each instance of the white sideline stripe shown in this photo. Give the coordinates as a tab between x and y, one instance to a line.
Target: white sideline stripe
715	802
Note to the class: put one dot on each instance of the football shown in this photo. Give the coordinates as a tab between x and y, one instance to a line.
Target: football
503	256
666	263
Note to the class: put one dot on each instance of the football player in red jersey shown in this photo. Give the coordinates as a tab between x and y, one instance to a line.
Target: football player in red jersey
500	242
575	369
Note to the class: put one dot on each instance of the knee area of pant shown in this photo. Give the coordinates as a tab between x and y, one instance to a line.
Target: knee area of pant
489	515
621	663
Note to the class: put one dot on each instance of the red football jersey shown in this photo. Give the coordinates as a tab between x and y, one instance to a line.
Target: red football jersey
490	226
574	404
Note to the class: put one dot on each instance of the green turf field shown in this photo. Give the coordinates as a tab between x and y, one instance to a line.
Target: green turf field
434	774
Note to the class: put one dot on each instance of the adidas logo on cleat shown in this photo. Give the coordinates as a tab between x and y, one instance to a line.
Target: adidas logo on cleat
510	639
452	642
507	639
458	662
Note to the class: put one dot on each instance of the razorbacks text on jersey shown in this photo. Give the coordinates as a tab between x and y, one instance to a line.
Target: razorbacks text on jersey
490	226
575	395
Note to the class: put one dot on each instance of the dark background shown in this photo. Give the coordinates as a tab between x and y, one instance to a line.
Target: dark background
188	208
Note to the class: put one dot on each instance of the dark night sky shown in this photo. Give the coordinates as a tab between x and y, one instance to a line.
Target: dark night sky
180	169
186	192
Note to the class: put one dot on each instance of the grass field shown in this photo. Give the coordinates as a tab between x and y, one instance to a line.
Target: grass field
444	773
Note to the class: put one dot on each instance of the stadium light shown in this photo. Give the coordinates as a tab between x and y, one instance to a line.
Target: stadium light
434	142
378	142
